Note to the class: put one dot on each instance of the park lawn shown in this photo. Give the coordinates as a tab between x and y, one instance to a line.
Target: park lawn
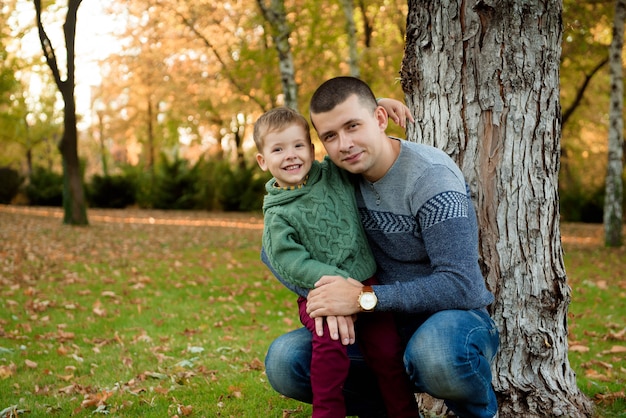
597	316
137	320
159	319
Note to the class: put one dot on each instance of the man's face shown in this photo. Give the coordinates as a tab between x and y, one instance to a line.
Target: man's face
353	135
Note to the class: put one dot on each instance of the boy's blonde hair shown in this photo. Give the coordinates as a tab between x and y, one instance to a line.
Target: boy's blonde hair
275	120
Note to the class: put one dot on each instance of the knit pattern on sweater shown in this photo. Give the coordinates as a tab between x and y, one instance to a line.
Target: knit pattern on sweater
315	230
422	229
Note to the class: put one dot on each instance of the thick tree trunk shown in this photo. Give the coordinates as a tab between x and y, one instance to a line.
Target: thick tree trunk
74	204
483	80
614	196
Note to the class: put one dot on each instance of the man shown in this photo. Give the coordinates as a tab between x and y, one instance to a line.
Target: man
416	210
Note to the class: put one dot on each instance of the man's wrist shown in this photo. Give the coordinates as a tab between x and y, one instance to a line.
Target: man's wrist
367	300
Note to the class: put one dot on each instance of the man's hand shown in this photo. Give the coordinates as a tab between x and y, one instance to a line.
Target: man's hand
338	326
334	296
397	111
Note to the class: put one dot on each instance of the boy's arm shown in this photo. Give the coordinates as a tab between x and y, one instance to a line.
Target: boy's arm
338	326
290	258
300	291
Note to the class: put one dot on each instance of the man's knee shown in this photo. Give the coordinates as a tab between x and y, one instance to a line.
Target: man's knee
287	365
450	356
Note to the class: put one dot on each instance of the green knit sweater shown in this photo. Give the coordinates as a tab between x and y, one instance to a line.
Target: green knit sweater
315	230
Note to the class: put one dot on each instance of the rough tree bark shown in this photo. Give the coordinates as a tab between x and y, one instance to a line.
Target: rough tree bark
276	16
483	80
614	195
74	204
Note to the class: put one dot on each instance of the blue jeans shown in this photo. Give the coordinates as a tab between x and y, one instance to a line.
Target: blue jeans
448	356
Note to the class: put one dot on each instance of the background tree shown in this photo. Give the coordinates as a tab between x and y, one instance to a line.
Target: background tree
11	109
483	79
614	196
585	92
276	16
31	122
208	88
74	204
353	55
208	69
198	83
40	128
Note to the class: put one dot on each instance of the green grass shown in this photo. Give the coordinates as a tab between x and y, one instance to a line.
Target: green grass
139	320
155	320
597	317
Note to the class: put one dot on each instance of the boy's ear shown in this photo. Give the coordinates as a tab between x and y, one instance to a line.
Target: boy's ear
261	161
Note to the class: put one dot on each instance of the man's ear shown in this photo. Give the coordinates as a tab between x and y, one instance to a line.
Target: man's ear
261	161
382	117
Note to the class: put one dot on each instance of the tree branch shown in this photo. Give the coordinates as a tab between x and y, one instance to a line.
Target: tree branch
69	30
187	22
581	91
46	46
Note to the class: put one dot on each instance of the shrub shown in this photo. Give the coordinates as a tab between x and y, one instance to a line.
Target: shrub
209	173
141	181
207	185
242	189
176	185
45	188
115	192
10	182
581	205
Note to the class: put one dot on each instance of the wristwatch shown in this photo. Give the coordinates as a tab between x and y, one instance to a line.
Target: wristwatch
367	299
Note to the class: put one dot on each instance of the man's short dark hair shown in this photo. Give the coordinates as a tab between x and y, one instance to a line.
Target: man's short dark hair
337	90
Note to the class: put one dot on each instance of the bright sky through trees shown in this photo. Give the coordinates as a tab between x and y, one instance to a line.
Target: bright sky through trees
94	41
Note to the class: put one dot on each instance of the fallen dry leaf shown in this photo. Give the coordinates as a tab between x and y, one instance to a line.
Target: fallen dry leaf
287	413
7	371
610	397
96	399
620	335
595	375
68	390
602	284
579	348
255	364
98	310
127	361
185	410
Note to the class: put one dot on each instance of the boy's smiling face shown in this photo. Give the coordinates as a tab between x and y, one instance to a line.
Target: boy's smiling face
288	155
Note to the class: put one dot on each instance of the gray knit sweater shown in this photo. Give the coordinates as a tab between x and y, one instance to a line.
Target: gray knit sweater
422	229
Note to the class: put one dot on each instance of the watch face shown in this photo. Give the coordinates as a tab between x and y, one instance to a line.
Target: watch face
368	301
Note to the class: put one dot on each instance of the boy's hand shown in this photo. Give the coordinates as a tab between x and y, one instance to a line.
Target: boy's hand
338	326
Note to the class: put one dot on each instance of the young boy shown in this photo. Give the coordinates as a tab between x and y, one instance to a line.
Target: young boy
312	230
